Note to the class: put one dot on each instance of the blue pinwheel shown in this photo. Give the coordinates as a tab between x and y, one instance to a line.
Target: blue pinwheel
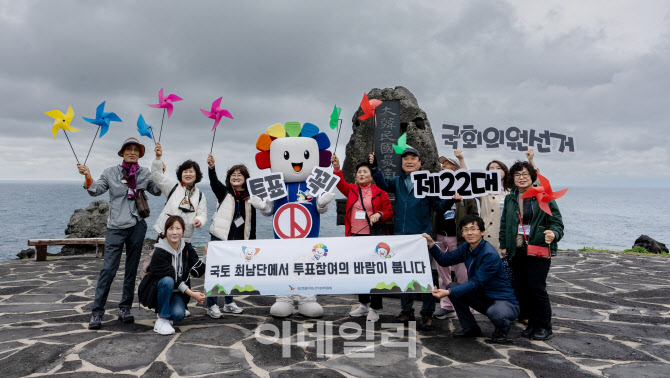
144	128
102	119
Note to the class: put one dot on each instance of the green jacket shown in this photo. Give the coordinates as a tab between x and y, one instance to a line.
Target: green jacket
541	221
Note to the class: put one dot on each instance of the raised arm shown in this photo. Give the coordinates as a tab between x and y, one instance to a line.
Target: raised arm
217	186
94	187
160	179
461	160
387	185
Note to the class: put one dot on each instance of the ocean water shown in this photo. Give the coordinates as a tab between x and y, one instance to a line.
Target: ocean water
608	218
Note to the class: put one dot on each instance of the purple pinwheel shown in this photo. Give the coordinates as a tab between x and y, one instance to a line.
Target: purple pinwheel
166	102
216	113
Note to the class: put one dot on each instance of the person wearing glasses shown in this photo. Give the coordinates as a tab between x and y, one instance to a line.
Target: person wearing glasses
125	226
524	224
235	219
488	290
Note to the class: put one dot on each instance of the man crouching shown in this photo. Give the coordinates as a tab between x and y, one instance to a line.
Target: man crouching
488	290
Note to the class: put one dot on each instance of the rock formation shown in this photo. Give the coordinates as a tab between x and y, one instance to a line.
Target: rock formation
650	245
90	222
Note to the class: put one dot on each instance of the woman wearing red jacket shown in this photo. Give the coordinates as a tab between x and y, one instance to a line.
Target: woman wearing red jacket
363	218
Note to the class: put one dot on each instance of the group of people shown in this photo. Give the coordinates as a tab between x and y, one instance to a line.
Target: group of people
485	245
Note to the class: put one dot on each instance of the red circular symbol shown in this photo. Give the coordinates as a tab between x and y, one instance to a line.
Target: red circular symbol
292	221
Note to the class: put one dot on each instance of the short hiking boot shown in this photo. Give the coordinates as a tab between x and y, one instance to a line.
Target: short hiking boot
362	310
426	322
499	336
163	327
528	332
468	333
125	315
214	311
232	308
443	313
373	315
95	322
405	317
543	334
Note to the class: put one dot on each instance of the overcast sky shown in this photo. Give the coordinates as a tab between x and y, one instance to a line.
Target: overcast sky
596	70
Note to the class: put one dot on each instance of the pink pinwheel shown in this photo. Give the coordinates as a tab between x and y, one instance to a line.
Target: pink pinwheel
166	102
216	113
544	194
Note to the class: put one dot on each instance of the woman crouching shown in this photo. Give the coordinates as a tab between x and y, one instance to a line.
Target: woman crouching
167	285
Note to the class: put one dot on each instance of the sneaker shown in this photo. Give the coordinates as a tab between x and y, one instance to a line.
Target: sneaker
528	332
373	315
405	317
163	327
543	334
158	317
444	313
187	313
95	322
232	307
214	311
362	310
125	315
426	323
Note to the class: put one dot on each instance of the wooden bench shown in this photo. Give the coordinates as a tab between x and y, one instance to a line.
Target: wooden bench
41	245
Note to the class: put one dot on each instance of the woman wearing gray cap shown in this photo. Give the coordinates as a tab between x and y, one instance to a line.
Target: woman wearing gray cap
125	226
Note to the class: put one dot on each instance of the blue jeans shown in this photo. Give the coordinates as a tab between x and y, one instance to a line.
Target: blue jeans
228	299
499	312
132	237
170	303
427	307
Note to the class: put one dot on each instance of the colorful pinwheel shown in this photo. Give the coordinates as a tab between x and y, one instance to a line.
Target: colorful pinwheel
402	144
368	107
216	113
102	119
62	121
544	194
144	128
166	102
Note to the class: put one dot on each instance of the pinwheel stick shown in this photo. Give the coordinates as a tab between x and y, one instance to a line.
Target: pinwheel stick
90	148
68	140
161	132
338	136
153	137
212	148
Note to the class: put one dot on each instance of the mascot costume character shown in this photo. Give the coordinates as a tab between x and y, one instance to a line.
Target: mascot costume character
294	150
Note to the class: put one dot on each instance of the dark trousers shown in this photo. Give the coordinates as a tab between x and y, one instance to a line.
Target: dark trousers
227	299
530	287
499	312
375	300
427	307
132	238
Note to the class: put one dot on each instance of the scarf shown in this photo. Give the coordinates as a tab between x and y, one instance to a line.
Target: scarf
129	177
186	205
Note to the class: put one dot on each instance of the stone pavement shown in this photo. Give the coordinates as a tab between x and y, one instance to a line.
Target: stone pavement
611	318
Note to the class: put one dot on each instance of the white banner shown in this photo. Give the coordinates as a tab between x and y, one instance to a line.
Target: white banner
469	183
344	265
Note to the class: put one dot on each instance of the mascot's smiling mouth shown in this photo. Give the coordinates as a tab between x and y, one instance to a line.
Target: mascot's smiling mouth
297	167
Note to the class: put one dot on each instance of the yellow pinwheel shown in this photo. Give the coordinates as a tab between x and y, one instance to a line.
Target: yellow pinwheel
62	121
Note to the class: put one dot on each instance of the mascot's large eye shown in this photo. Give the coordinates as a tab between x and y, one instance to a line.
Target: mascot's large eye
306	154
286	155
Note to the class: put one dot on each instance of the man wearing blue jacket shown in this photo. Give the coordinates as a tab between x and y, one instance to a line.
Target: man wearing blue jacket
411	216
488	290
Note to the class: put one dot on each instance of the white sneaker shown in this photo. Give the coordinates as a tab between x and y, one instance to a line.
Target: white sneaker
214	311
232	307
362	310
163	327
158	317
373	315
187	313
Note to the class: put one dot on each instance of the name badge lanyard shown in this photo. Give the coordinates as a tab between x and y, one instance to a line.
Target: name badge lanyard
523	229
360	197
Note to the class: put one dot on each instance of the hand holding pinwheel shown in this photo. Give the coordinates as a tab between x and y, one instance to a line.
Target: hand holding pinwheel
544	194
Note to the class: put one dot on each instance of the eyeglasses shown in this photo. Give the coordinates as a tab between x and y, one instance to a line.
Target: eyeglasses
133	149
521	174
237	175
469	230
